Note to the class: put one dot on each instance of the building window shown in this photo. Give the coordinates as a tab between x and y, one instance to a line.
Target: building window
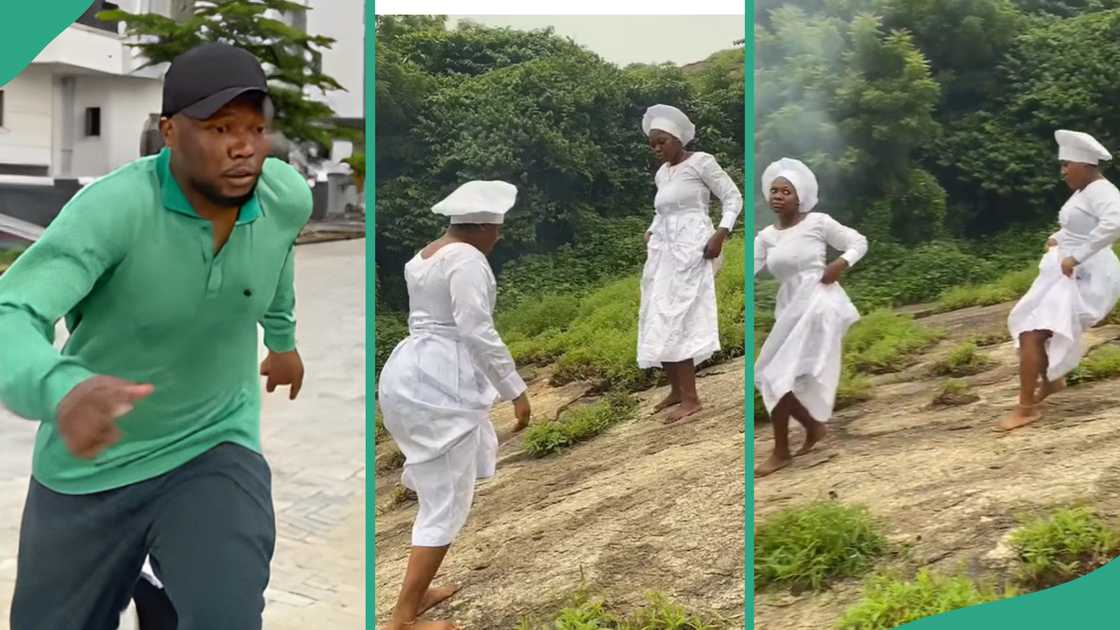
93	121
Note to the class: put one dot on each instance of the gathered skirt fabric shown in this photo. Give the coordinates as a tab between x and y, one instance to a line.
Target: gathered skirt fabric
678	319
436	405
802	354
1066	307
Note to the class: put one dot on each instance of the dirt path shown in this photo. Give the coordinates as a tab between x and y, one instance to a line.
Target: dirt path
947	489
640	508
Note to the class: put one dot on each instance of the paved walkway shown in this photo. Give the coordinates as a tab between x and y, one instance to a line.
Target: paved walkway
315	446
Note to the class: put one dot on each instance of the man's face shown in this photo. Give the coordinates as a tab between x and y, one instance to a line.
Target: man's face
221	157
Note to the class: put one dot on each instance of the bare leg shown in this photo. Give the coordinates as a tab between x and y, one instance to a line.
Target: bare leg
423	563
674	396
781	456
686	381
1048	387
1032	362
814	430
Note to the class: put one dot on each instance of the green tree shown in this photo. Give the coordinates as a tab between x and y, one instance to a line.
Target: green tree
856	103
291	57
1002	163
964	41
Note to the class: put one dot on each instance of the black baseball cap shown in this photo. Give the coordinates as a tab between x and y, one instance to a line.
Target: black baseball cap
206	78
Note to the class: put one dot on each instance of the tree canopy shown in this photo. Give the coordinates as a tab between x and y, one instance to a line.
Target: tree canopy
539	111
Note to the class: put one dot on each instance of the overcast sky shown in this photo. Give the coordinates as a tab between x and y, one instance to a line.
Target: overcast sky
634	39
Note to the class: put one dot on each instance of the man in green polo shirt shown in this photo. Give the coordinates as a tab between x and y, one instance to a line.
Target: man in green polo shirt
149	434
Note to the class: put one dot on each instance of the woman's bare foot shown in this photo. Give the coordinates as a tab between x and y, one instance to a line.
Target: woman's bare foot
814	434
1049	388
685	410
773	464
1020	417
670	400
435	596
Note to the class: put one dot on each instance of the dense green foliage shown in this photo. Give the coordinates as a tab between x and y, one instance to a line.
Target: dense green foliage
534	109
1062	546
809	545
889	602
929	124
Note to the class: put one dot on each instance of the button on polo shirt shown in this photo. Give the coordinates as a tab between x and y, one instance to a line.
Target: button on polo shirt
131	267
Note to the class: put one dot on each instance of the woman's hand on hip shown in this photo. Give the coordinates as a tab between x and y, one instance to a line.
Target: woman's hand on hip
834	270
1051	243
714	247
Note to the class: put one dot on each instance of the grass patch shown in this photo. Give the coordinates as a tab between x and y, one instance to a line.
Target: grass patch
597	340
883	342
806	547
954	392
1100	364
580	424
592	613
990	339
1010	286
1066	545
852	390
964	360
889	602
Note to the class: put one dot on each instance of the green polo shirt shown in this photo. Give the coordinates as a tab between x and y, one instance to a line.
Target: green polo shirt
131	268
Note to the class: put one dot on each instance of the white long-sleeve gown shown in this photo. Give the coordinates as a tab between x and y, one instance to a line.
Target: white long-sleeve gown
1090	224
802	353
439	384
678	319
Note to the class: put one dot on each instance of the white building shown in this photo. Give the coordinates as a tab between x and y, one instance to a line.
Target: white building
79	109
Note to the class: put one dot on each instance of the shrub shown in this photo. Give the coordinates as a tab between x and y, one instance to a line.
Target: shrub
1100	364
954	392
591	613
889	602
1067	544
964	360
805	547
580	424
883	341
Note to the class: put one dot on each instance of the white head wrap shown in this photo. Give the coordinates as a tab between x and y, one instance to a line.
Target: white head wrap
478	201
796	173
1077	146
670	120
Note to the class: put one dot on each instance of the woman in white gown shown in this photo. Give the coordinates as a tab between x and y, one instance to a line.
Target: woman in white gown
438	386
1078	281
798	368
678	324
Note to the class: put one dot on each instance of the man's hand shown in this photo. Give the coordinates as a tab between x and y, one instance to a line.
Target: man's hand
1068	265
1051	243
87	416
283	368
834	270
648	235
523	412
714	247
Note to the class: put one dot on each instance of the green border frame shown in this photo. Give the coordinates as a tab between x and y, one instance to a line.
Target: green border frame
749	216
371	313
